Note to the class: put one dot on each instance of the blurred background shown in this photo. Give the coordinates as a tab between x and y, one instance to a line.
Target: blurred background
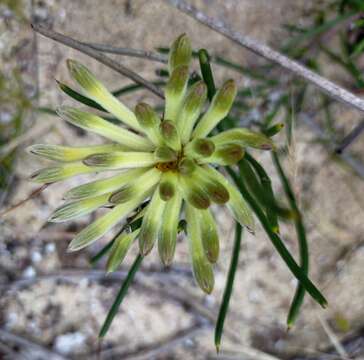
53	303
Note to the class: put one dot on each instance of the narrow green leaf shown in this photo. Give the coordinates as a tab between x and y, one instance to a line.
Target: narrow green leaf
120	296
219	328
278	244
302	242
79	97
206	71
267	199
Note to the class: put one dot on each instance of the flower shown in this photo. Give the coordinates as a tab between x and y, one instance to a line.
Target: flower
169	164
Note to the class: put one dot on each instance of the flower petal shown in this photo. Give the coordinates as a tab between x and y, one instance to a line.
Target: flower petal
146	181
119	249
170	135
209	235
120	160
193	193
69	153
243	137
165	154
175	91
96	91
168	233
103	186
168	185
61	172
236	204
95	124
102	225
225	154
149	121
191	109
202	269
218	109
78	208
199	148
180	53
151	224
215	190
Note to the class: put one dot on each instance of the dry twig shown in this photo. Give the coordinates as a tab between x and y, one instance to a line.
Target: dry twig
139	53
121	69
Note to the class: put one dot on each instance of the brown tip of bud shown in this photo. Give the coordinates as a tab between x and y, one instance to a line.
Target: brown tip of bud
204	147
199	200
96	159
167	128
145	115
226	95
231	153
166	190
218	194
121	196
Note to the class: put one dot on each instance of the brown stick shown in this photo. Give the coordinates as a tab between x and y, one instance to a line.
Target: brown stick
121	69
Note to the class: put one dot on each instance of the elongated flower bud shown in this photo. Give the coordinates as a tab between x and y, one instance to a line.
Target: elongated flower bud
168	233
244	137
98	92
78	208
209	236
194	193
191	109
141	184
103	186
237	205
165	154
120	160
62	172
102	225
202	269
170	135
200	148
227	154
119	250
95	124
68	153
149	121
216	191
219	108
175	91
168	186
187	166
151	224
180	53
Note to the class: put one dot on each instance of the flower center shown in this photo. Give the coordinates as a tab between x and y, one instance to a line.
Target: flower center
167	166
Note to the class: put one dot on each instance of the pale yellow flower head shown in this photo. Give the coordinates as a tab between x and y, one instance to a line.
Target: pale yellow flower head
168	163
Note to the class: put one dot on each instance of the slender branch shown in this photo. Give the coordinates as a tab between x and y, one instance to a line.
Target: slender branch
121	69
350	138
139	53
332	89
32	195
